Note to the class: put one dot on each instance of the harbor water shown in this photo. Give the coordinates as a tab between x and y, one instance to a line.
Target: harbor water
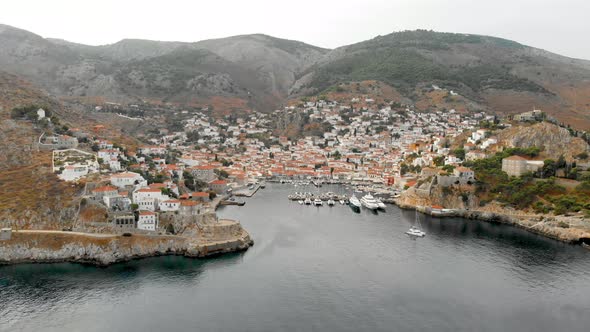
319	269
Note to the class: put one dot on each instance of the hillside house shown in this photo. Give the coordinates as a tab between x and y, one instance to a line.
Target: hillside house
147	220
170	205
514	165
127	179
123	220
104	191
219	186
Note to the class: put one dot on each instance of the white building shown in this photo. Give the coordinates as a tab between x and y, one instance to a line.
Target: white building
148	198
40	114
108	154
147	221
127	179
73	173
170	205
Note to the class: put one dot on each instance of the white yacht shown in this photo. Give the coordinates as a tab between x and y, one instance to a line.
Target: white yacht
354	202
300	202
369	202
331	202
416	231
318	202
307	201
342	202
380	204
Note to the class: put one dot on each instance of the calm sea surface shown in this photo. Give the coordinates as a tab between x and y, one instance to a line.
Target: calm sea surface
319	269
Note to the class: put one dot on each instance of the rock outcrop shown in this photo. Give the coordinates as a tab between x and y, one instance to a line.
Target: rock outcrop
553	140
105	249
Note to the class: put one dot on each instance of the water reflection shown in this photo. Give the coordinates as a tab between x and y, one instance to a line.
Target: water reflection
323	269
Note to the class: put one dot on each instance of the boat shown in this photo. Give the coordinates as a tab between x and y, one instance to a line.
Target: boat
331	202
585	245
380	204
416	231
369	202
342	202
307	201
318	202
355	204
300	202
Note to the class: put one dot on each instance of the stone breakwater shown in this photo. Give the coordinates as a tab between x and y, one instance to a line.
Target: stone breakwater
541	225
102	250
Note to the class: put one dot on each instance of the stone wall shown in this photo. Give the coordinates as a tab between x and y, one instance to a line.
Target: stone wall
54	246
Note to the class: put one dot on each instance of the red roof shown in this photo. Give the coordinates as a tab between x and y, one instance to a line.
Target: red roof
103	189
147	213
204	167
172	201
200	194
218	182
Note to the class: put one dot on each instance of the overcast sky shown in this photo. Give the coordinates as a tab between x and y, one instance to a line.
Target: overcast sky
560	26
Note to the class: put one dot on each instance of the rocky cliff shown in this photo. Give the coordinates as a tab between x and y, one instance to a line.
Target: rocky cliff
553	140
101	249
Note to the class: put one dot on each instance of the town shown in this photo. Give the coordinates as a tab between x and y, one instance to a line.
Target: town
386	148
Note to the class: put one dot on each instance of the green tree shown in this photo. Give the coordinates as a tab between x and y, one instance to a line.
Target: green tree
459	153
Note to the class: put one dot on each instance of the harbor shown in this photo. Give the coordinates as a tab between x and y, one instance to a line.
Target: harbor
313	258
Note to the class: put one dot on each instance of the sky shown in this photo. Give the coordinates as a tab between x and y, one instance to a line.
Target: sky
559	26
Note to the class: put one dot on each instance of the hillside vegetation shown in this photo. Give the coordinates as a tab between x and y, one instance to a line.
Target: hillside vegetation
31	195
542	195
263	72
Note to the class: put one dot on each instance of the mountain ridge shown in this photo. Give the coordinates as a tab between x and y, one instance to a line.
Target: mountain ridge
264	72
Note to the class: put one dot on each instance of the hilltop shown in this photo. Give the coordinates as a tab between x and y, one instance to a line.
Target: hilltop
489	73
430	70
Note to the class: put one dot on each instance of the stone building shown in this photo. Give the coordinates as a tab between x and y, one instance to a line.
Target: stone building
123	220
514	165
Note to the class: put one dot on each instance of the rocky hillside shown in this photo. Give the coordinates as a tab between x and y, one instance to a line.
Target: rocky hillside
553	140
31	194
492	73
259	71
276	61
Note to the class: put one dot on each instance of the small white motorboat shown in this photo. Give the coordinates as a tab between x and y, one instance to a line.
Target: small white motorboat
331	202
300	202
307	201
415	232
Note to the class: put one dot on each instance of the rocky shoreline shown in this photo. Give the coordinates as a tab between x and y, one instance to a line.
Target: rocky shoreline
104	250
534	224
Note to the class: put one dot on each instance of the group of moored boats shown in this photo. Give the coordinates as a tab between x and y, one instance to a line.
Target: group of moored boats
318	202
301	196
367	201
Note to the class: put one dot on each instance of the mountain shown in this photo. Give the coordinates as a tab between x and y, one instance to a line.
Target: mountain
264	72
498	74
277	61
256	69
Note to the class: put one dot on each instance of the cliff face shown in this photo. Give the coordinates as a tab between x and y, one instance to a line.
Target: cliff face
553	140
454	197
55	246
